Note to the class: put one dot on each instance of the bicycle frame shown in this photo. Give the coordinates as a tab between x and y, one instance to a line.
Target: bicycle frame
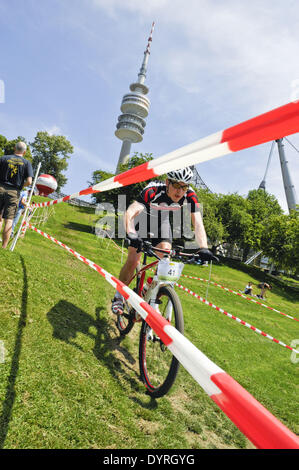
140	271
151	294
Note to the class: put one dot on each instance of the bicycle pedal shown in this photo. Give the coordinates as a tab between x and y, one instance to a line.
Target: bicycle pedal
137	318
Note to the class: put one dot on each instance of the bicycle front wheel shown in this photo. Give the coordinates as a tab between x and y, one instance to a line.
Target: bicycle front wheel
158	367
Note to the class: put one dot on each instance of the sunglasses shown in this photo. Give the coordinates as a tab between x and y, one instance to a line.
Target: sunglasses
176	185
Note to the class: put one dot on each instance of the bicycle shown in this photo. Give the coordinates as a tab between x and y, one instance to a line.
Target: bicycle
158	367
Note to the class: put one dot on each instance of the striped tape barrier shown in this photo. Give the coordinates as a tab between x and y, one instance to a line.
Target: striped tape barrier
272	125
240	295
262	428
253	328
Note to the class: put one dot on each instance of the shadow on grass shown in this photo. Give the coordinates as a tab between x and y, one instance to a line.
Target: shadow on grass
14	369
85	209
79	227
108	350
119	361
68	320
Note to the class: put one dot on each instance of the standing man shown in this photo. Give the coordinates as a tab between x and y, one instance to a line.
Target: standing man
156	202
15	172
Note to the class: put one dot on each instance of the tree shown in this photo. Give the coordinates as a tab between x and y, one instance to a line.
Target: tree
3	141
7	147
233	213
280	240
131	191
260	206
214	227
52	151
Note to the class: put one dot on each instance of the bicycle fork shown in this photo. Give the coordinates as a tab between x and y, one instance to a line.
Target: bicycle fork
151	298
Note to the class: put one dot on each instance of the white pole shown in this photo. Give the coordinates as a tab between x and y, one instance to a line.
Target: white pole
209	280
122	251
26	209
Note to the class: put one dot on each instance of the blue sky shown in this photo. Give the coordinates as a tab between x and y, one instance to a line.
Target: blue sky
66	65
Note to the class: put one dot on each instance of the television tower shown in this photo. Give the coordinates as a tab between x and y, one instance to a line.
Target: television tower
134	107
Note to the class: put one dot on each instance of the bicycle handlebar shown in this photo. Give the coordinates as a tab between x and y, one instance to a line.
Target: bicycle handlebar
149	249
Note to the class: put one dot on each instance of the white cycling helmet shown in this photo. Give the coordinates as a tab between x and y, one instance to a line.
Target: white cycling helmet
183	175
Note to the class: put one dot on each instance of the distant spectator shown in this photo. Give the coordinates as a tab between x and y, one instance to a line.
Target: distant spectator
15	172
264	286
248	289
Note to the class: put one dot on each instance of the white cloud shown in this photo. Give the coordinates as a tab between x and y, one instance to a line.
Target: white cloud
54	130
243	44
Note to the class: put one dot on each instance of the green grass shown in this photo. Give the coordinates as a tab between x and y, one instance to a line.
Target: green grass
68	381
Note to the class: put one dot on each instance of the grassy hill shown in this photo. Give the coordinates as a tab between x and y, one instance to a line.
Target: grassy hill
68	380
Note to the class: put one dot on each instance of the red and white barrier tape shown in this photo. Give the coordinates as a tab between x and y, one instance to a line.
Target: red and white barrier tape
260	332
256	422
240	295
274	124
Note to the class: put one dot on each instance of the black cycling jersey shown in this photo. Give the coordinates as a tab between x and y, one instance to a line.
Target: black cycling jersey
14	170
162	218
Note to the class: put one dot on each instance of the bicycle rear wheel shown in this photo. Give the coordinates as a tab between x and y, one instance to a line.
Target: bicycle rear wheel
158	367
125	322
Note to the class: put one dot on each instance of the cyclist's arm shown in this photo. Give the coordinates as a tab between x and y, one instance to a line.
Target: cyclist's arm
133	210
200	233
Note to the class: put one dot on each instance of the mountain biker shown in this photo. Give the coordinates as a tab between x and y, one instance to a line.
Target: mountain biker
152	208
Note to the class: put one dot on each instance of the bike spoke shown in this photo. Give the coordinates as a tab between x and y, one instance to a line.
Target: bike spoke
158	366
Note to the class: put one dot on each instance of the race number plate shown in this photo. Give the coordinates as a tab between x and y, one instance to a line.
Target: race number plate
169	270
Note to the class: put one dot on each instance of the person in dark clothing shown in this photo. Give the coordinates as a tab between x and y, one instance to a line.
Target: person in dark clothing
264	286
15	173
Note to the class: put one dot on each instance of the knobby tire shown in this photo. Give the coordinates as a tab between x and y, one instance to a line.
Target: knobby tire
158	367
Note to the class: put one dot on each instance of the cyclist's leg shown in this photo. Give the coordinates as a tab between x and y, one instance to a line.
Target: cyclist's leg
126	274
128	269
162	243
